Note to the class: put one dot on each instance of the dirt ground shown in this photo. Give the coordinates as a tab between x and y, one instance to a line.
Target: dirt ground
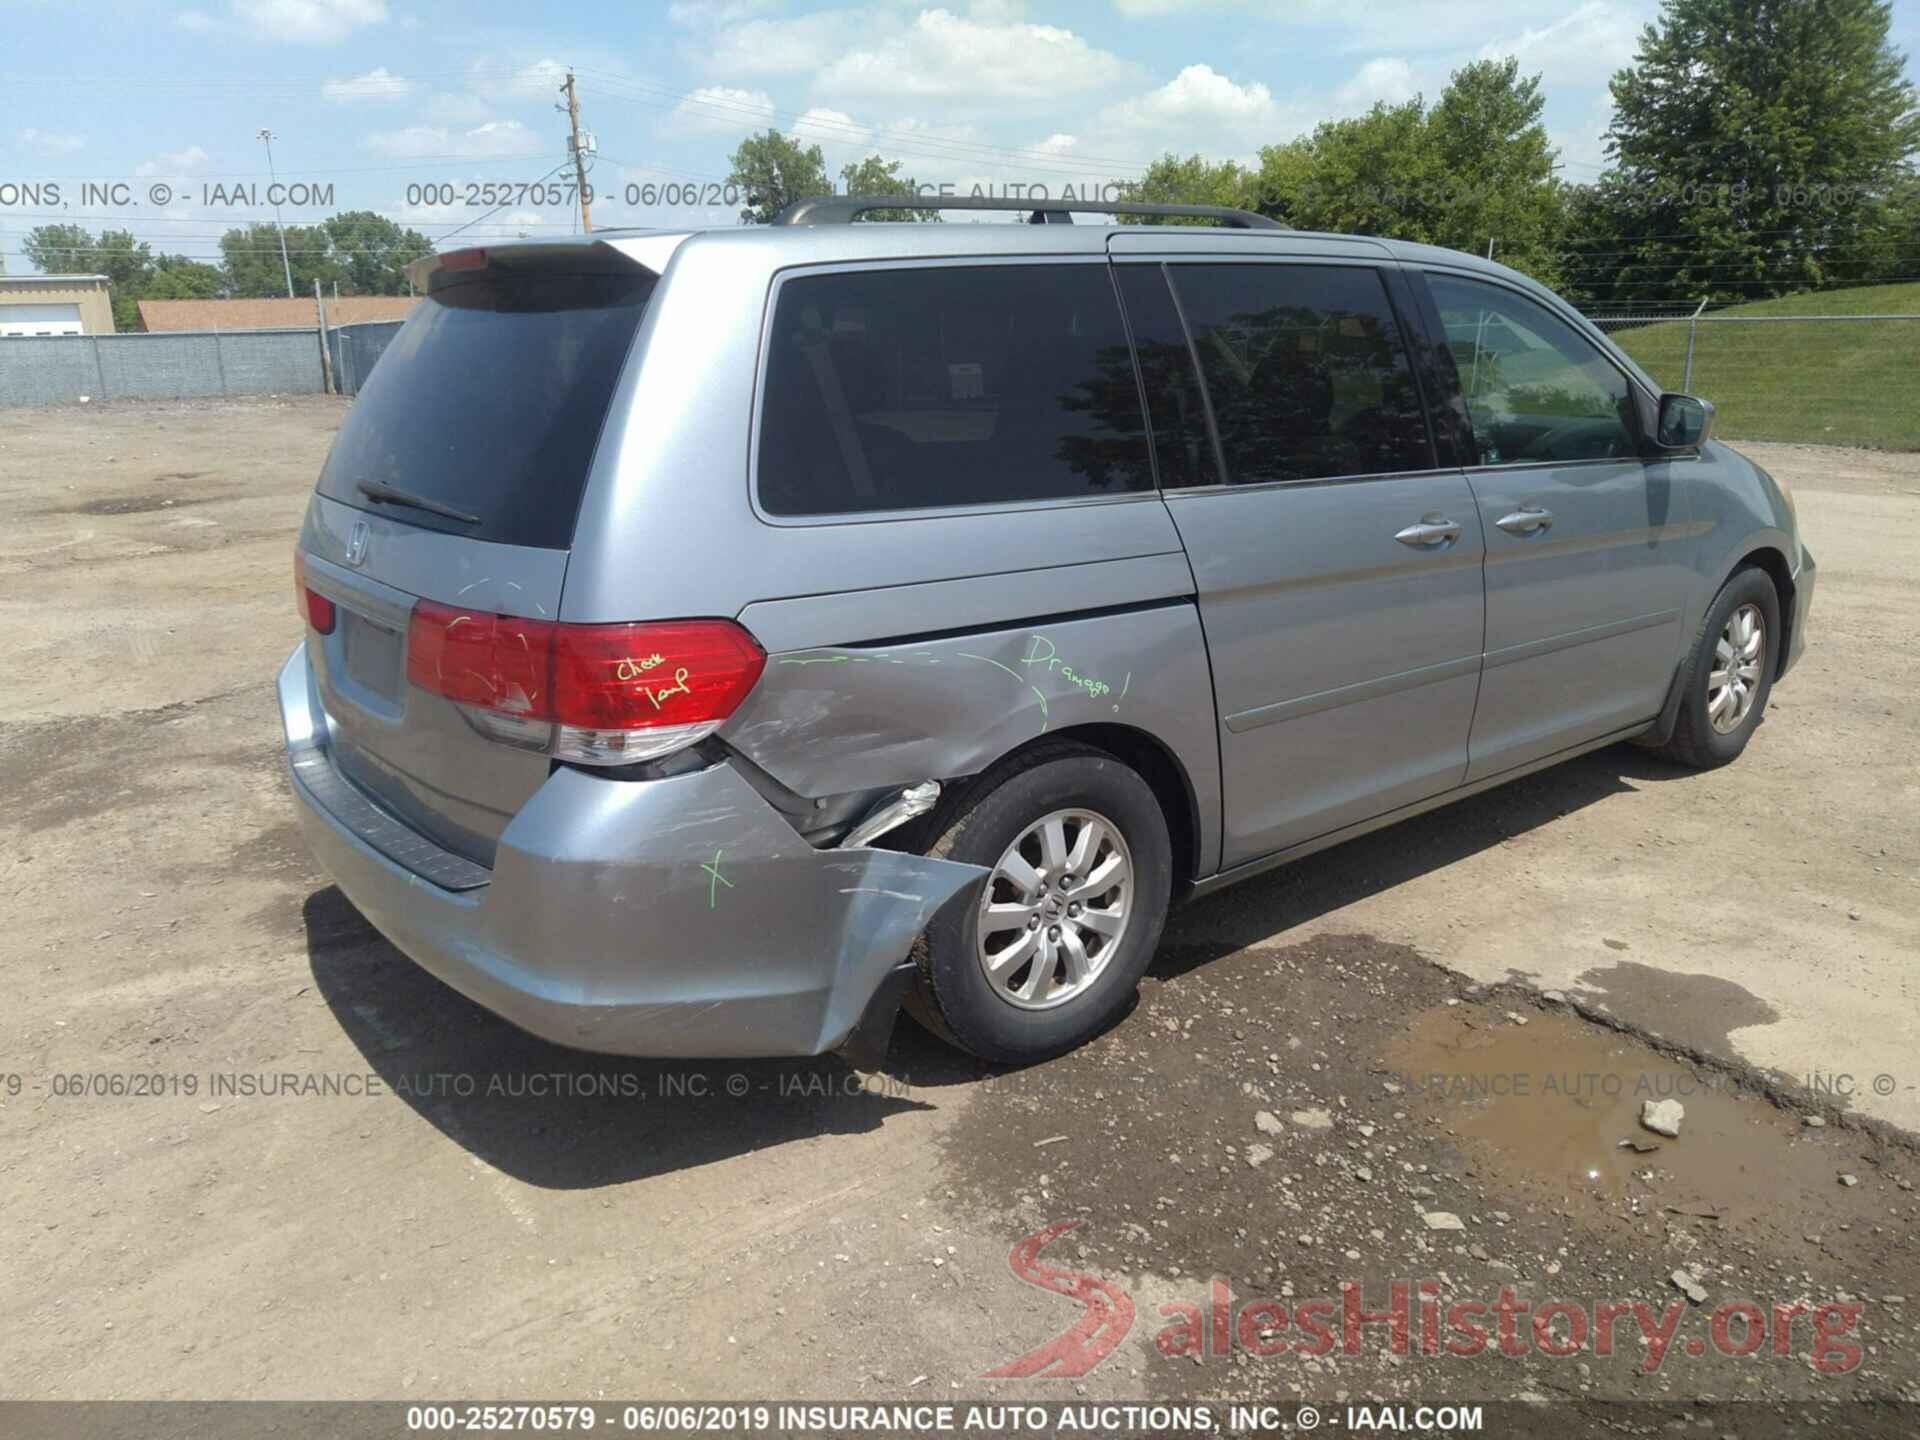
247	1150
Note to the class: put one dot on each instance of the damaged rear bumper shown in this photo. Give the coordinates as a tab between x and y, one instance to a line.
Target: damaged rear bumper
675	917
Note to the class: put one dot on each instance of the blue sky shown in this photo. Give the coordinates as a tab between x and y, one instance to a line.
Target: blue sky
377	96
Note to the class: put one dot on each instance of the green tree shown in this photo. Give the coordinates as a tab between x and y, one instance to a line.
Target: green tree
1755	143
773	171
1491	147
1376	174
1187	180
60	249
1475	167
251	259
1890	239
372	252
175	277
72	249
875	176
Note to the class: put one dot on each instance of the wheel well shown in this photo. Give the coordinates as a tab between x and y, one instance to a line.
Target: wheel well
1164	775
1775	565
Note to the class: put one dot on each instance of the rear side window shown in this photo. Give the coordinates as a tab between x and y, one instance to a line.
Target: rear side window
1180	439
969	385
1306	369
489	402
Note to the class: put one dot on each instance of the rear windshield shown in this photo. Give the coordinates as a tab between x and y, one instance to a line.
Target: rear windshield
488	404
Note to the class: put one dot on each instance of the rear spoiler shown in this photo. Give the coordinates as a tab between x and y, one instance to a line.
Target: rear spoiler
607	253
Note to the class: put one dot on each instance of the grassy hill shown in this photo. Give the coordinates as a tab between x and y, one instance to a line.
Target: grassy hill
1848	382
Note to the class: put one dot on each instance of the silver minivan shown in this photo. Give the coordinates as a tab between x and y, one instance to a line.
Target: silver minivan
717	640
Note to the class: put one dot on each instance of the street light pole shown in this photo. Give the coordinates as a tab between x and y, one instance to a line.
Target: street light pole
266	138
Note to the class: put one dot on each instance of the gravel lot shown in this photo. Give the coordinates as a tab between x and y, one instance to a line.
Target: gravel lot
483	1214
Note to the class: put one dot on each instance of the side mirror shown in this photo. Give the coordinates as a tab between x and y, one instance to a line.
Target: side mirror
1685	422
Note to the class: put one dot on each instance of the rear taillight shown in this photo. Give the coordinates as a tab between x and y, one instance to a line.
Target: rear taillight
599	694
315	608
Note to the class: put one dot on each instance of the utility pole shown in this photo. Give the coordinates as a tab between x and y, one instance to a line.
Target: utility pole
579	156
327	386
266	138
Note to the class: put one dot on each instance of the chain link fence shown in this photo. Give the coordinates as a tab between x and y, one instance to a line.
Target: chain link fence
355	348
181	364
1813	379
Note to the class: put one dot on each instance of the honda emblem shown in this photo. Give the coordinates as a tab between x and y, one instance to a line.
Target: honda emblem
357	541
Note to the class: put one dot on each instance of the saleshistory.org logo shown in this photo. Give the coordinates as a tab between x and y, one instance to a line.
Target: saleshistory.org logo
1414	1319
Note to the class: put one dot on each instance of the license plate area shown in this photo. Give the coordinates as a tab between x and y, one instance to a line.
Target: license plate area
374	655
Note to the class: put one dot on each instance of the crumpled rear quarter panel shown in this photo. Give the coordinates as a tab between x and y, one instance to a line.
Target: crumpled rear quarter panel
830	720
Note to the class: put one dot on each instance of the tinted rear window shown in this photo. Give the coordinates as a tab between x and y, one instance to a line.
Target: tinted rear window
969	385
490	401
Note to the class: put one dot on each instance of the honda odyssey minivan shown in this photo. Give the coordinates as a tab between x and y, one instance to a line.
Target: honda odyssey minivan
717	640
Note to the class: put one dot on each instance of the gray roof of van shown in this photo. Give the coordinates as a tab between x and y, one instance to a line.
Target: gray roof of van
815	244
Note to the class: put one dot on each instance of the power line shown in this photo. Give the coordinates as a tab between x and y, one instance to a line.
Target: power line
498	208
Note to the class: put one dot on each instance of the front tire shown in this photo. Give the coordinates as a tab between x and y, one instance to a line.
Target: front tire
1730	673
1050	950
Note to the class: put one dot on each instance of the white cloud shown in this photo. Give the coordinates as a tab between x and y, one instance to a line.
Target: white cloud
49	142
1197	98
699	14
945	56
175	162
719	110
498	80
799	45
1389	80
197	21
307	22
1593	41
378	85
821	126
494	139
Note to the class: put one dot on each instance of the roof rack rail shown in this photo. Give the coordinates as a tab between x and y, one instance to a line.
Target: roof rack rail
844	209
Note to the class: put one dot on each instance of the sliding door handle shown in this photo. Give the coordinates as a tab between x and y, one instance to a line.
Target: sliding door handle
1432	531
1527	520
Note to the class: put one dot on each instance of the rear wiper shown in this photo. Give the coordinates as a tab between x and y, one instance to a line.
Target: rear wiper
392	495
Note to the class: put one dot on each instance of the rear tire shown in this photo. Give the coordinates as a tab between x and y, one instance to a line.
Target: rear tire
1049	951
1730	673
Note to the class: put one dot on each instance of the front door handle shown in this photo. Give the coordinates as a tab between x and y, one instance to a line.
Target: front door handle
1527	520
1433	530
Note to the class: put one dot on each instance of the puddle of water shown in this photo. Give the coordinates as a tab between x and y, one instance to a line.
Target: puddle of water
1552	1100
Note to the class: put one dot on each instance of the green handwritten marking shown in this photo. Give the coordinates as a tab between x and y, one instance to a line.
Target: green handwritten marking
1128	685
1094	688
965	655
1042	651
1034	657
816	660
713	887
1008	669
